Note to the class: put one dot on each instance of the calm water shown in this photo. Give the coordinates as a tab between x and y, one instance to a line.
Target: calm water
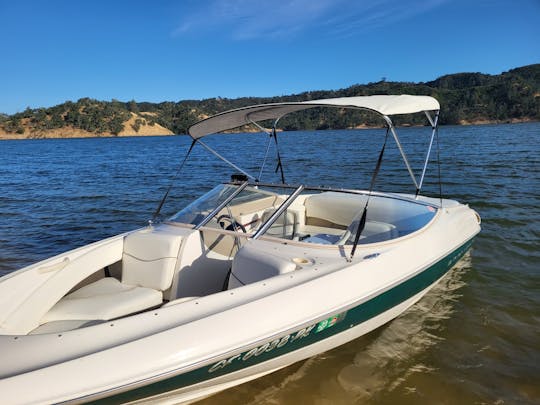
474	339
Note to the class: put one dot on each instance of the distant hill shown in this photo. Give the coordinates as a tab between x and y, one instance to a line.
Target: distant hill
466	98
84	118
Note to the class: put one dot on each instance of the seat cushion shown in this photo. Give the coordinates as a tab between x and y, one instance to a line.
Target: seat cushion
152	244
253	263
374	231
284	226
154	274
150	257
337	208
104	299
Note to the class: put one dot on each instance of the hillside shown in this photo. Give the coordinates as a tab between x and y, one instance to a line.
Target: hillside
465	98
85	118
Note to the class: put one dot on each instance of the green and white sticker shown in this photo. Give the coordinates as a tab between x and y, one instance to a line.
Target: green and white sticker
329	322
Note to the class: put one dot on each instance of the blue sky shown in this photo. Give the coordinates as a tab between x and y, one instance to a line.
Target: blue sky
53	51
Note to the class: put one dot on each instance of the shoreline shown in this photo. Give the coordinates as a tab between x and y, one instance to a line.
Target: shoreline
81	135
19	137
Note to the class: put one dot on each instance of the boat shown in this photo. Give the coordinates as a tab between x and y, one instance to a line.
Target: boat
245	280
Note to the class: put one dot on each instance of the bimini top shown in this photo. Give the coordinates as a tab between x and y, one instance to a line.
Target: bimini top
384	105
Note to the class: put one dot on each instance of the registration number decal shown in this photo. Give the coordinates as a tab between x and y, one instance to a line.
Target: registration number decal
278	342
265	348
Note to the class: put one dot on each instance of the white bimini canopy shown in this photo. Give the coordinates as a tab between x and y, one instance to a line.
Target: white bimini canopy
381	104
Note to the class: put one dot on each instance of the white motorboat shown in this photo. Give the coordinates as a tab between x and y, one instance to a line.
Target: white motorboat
247	279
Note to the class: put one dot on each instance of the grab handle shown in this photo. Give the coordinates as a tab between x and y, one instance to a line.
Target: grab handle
54	267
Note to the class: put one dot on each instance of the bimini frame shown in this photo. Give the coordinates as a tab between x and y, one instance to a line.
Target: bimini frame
383	105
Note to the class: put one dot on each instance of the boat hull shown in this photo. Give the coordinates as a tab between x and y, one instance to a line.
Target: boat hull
239	366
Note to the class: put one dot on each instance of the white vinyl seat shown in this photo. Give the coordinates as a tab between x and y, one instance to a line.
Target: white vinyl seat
337	208
340	210
148	262
253	263
104	299
284	226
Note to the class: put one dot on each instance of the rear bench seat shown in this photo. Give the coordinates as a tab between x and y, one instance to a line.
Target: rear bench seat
148	263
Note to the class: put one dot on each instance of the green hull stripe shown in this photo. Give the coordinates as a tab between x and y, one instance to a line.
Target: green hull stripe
301	339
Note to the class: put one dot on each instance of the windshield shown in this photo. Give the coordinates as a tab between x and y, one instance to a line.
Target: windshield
245	212
315	216
202	206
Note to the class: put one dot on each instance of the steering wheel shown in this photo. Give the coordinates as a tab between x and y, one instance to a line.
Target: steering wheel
233	224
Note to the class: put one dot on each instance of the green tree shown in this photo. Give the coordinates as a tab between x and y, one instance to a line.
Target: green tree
116	125
132	106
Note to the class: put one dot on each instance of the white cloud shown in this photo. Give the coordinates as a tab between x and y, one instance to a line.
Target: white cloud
255	19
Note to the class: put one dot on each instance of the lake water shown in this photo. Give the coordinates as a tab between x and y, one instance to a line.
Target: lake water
475	338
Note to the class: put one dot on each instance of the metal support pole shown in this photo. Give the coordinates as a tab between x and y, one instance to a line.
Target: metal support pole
433	123
222	205
267	132
225	160
265	156
272	134
278	212
403	154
